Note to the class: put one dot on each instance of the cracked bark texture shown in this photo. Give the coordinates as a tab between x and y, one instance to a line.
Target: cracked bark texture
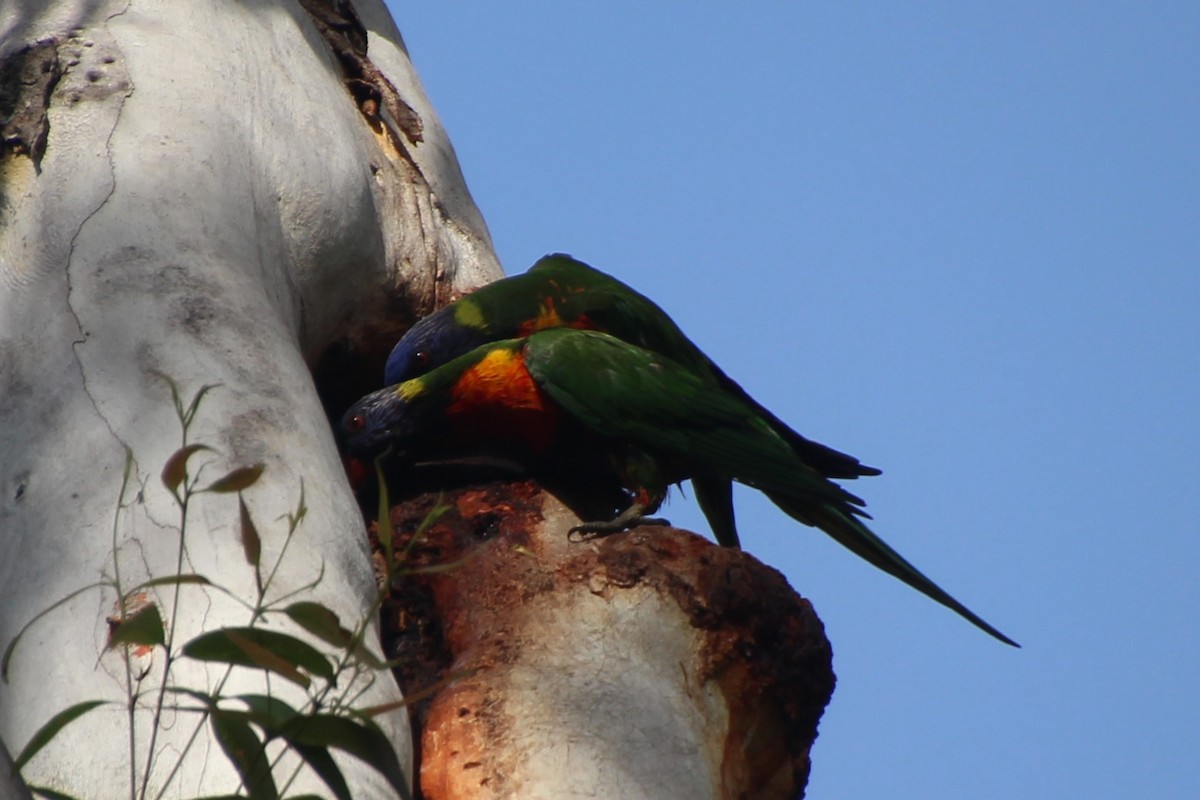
225	195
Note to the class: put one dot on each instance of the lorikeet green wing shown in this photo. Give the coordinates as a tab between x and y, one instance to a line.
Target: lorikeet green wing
559	291
695	429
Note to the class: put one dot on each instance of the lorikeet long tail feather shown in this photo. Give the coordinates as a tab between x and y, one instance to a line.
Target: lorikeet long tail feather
715	497
861	540
829	462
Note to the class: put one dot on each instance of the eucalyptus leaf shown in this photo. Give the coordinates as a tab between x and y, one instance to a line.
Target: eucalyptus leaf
237	480
360	738
45	734
144	626
175	470
247	753
256	647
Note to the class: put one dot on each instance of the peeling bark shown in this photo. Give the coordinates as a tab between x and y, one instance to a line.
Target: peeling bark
27	79
645	664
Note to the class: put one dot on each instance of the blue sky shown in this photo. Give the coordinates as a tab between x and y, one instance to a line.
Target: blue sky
958	240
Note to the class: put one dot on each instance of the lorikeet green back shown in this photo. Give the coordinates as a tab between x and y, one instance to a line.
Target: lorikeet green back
533	398
559	291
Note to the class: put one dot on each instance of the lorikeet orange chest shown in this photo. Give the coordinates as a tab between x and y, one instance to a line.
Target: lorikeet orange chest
495	404
490	403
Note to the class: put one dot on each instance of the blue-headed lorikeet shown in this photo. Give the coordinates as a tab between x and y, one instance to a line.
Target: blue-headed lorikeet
561	394
559	291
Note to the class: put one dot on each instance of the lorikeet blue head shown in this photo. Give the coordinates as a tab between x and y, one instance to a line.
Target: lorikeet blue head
378	420
431	342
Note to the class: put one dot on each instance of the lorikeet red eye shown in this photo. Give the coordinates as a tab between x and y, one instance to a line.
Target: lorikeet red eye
422	358
356	423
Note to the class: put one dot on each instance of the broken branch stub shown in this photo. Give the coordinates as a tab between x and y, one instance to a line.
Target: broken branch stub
648	664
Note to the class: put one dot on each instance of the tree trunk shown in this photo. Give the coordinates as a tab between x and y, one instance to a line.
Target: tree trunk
222	194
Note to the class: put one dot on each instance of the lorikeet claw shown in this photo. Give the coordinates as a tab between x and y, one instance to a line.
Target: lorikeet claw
629	518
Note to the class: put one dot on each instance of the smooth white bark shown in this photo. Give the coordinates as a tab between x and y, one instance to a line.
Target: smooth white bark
212	206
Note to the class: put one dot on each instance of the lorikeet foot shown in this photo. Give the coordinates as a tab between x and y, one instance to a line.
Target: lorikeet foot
629	518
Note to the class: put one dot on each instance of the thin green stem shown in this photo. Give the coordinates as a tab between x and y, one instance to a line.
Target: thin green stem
127	658
300	590
168	658
185	420
293	523
204	714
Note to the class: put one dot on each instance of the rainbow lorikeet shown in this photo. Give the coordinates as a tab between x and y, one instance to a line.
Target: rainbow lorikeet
559	291
560	397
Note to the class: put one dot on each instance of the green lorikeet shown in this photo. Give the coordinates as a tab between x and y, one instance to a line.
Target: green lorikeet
559	291
562	395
